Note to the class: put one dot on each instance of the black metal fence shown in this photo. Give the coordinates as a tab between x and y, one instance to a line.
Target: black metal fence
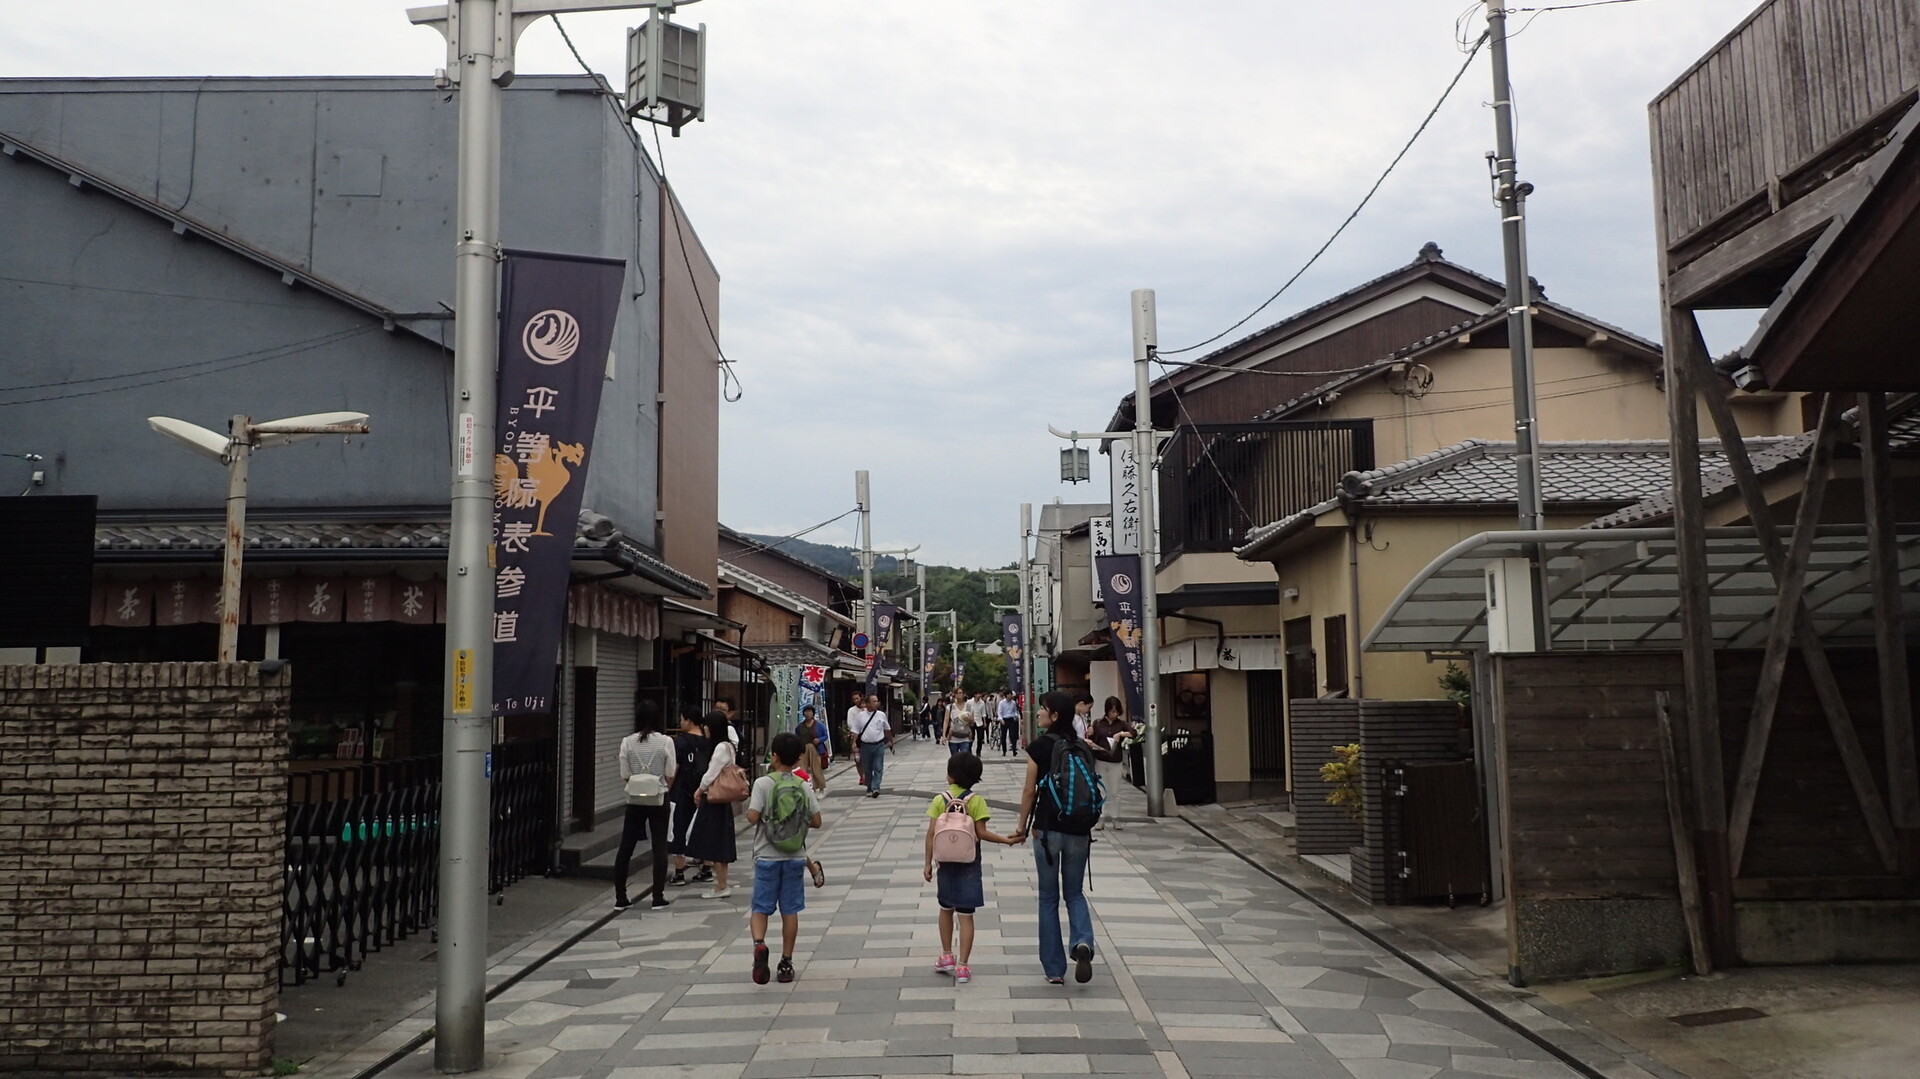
1217	480
363	849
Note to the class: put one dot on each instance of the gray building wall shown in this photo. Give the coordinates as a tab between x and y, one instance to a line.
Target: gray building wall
350	180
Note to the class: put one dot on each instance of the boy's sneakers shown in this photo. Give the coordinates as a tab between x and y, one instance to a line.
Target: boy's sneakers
945	965
679	878
961	975
759	963
621	903
786	969
1083	962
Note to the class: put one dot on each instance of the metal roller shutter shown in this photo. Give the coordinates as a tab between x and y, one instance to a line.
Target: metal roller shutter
615	685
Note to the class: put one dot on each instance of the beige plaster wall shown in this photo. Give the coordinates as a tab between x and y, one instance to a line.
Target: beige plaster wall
1232	750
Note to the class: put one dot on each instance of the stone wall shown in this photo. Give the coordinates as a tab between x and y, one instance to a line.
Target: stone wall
141	841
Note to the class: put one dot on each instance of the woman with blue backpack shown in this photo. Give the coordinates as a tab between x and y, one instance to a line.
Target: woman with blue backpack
1059	806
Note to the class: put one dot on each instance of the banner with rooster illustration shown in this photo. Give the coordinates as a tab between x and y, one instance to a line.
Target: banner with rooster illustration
1120	582
556	326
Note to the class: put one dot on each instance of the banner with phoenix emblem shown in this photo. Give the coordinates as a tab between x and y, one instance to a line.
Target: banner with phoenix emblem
927	660
557	314
1013	634
1120	581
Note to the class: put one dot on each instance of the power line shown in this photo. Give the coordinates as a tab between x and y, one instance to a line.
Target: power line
247	359
1364	200
797	535
679	228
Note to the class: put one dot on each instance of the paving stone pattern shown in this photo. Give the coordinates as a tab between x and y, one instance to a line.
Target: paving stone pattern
1206	969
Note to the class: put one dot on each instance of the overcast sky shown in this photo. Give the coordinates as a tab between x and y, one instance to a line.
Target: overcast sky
928	216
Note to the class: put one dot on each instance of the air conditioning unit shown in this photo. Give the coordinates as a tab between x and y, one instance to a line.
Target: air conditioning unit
1510	606
666	72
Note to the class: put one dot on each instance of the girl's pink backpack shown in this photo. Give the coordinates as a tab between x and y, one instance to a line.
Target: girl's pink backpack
953	835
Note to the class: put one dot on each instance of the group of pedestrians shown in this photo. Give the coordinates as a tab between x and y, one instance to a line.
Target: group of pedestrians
973	723
681	792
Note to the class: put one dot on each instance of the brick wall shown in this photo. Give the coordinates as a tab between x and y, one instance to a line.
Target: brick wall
141	836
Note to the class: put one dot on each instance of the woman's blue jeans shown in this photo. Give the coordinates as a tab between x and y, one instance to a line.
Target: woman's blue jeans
1062	863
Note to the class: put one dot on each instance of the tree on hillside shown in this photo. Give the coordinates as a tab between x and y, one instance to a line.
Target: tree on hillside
986	673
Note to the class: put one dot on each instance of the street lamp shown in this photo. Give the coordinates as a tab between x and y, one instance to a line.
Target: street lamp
233	449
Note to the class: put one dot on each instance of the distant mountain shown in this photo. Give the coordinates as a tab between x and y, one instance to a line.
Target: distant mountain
828	556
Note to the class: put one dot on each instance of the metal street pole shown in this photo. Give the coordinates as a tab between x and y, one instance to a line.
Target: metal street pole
1512	197
1027	710
460	1005
1146	453
860	497
920	654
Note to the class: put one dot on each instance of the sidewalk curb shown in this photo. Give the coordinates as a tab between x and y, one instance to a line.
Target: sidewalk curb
405	1036
1556	1031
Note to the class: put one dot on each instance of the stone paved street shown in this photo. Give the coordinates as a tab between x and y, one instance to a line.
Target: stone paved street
1207	968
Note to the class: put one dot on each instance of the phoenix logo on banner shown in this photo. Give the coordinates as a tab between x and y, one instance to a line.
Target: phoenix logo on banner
1119	576
1013	640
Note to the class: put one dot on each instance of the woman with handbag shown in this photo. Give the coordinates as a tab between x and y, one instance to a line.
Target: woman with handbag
710	839
647	767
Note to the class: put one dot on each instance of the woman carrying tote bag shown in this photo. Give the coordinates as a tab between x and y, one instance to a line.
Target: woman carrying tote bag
710	839
646	769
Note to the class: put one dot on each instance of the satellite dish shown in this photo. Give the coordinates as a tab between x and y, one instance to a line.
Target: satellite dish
192	436
271	433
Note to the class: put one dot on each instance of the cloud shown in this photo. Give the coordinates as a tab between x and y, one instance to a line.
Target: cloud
928	216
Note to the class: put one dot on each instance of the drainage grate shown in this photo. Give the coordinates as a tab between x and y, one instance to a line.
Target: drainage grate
1714	1018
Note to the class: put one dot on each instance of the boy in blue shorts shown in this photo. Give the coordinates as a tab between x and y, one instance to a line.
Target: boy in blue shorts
783	809
961	890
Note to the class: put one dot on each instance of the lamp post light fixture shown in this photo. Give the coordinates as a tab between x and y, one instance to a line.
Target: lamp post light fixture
233	449
1075	465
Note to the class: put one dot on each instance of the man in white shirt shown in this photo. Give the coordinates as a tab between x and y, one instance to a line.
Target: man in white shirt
981	713
856	715
873	737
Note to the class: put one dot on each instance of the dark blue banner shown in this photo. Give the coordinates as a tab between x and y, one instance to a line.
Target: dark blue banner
556	325
926	668
1120	582
1013	639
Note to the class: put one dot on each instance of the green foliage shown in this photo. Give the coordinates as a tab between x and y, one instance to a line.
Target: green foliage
986	673
1457	684
285	1066
1343	773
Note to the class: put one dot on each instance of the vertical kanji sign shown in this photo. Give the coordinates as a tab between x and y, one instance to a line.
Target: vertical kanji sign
556	326
1120	579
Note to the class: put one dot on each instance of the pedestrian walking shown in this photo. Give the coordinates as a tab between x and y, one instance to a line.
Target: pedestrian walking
874	738
813	757
1058	808
690	763
1108	739
782	810
856	718
956	826
710	839
982	716
1008	710
647	768
959	728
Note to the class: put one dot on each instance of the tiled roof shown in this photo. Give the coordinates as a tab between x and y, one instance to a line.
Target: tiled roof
139	538
1401	355
777	593
1769	456
1481	474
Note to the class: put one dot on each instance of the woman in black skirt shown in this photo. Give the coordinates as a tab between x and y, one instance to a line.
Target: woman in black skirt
710	840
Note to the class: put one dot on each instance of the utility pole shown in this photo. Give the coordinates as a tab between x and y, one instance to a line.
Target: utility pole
480	41
1146	451
861	493
1512	194
1028	711
920	653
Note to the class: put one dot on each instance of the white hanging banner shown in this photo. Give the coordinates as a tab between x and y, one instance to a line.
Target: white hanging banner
1126	499
1101	530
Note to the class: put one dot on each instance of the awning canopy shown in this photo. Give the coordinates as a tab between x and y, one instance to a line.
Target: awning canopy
1620	589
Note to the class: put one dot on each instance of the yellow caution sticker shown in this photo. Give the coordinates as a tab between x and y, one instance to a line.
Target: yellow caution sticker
463	681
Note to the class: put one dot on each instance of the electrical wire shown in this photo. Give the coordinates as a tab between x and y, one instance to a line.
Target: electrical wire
797	535
727	374
625	124
1364	200
246	359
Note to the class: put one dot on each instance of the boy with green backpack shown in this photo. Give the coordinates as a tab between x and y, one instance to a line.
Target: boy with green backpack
783	808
